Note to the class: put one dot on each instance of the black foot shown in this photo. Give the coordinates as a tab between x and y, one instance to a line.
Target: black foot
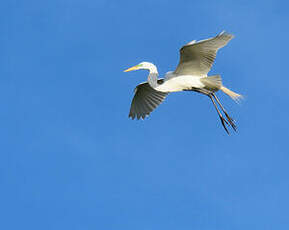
231	121
224	123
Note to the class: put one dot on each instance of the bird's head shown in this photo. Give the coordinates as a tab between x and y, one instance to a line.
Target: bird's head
143	65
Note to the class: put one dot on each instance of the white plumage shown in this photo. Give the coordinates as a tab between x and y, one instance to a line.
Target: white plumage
196	60
180	83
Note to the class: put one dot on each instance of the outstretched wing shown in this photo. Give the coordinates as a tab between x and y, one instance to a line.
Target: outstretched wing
145	100
197	58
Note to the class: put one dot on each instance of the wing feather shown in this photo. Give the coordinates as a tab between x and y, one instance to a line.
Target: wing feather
197	58
145	100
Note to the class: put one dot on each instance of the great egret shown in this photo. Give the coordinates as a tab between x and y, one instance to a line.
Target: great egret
196	60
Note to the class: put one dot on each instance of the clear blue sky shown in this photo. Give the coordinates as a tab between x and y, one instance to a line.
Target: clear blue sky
70	157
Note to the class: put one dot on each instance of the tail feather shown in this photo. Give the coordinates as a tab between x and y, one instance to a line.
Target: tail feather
235	96
213	83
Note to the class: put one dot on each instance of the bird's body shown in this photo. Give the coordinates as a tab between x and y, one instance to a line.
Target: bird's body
196	59
177	83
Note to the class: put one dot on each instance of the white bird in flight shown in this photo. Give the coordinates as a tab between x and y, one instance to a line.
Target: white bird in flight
196	60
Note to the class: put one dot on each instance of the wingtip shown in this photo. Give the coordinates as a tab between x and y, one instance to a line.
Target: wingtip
138	116
224	33
131	116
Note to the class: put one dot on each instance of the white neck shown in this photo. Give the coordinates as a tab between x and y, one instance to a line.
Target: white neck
153	75
153	69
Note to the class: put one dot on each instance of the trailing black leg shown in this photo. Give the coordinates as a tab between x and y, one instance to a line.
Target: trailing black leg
223	120
231	120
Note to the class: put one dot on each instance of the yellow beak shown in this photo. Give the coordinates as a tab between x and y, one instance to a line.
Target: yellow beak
132	68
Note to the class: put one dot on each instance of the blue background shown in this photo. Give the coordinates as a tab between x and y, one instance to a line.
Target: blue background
70	157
